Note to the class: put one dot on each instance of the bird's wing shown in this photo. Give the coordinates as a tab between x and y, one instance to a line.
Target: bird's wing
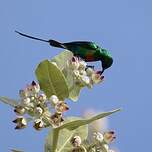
86	44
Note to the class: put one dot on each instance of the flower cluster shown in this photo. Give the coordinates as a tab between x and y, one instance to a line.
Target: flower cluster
60	107
38	107
100	143
62	77
103	140
83	75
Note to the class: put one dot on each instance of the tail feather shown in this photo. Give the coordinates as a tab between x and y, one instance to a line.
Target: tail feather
31	37
51	42
56	44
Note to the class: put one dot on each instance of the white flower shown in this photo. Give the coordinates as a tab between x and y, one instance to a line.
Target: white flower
38	111
42	97
98	137
54	100
82	64
23	93
19	110
35	87
32	98
85	79
82	72
32	89
26	101
89	71
76	141
76	74
74	63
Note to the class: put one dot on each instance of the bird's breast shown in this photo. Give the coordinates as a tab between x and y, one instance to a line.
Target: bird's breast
89	56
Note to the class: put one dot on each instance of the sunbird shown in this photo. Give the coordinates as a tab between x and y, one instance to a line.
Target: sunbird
87	50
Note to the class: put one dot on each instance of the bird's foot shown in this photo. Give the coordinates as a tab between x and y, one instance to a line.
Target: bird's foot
90	66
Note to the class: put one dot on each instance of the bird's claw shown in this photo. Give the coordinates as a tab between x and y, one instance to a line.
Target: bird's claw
90	66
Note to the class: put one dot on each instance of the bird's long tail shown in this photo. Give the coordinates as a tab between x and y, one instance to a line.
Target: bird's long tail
51	42
31	37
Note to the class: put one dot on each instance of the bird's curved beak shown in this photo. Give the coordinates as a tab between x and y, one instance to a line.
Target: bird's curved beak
102	71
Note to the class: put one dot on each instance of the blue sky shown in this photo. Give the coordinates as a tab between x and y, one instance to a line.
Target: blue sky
122	26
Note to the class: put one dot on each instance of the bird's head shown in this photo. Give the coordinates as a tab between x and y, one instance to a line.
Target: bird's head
106	59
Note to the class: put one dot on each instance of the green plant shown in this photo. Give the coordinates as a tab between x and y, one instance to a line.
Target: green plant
60	78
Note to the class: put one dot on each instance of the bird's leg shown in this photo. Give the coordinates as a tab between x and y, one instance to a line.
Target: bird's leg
90	66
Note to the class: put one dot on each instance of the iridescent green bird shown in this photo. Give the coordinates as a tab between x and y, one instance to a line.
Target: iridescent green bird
88	51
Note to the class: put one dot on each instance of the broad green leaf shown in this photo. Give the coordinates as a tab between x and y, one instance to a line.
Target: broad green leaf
65	136
9	101
52	80
77	123
61	59
75	92
74	89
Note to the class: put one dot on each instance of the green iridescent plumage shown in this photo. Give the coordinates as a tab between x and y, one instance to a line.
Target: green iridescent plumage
89	51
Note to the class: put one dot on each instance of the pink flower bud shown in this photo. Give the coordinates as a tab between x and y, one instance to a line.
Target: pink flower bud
38	124
21	122
109	136
61	106
76	141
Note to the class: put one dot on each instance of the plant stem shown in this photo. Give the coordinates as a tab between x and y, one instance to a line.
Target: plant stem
55	139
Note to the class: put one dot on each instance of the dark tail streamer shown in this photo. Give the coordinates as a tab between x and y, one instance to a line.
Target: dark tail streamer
35	38
51	42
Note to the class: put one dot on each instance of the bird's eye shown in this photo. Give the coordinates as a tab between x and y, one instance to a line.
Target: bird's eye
97	47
